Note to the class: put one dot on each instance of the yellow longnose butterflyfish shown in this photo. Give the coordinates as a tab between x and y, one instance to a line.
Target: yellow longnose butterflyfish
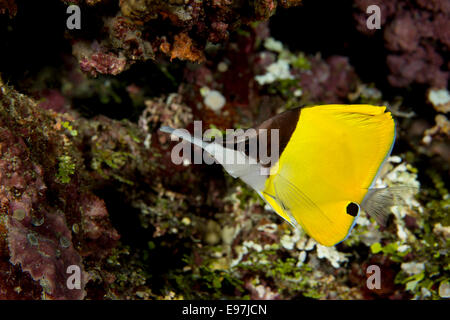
327	162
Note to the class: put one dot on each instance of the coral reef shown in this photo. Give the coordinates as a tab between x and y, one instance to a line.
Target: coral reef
132	34
47	227
416	37
87	179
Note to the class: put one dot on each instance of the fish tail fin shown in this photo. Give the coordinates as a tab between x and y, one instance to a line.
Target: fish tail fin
184	134
378	201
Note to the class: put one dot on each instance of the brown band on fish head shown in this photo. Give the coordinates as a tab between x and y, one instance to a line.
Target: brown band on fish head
285	123
261	136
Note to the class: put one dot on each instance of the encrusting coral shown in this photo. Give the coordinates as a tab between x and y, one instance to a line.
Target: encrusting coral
50	221
133	34
416	37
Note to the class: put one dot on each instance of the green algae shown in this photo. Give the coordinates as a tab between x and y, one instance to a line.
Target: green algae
66	168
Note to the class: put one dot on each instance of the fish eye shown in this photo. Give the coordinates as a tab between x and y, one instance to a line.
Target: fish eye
353	209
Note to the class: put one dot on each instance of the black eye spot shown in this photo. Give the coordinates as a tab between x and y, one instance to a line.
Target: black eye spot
352	209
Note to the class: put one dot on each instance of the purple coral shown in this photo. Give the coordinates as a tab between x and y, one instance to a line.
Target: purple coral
329	81
106	63
46	252
417	37
46	228
38	237
97	231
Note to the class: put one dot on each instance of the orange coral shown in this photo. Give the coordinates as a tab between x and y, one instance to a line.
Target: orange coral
183	49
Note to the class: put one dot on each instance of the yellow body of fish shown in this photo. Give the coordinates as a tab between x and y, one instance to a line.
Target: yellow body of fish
331	160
